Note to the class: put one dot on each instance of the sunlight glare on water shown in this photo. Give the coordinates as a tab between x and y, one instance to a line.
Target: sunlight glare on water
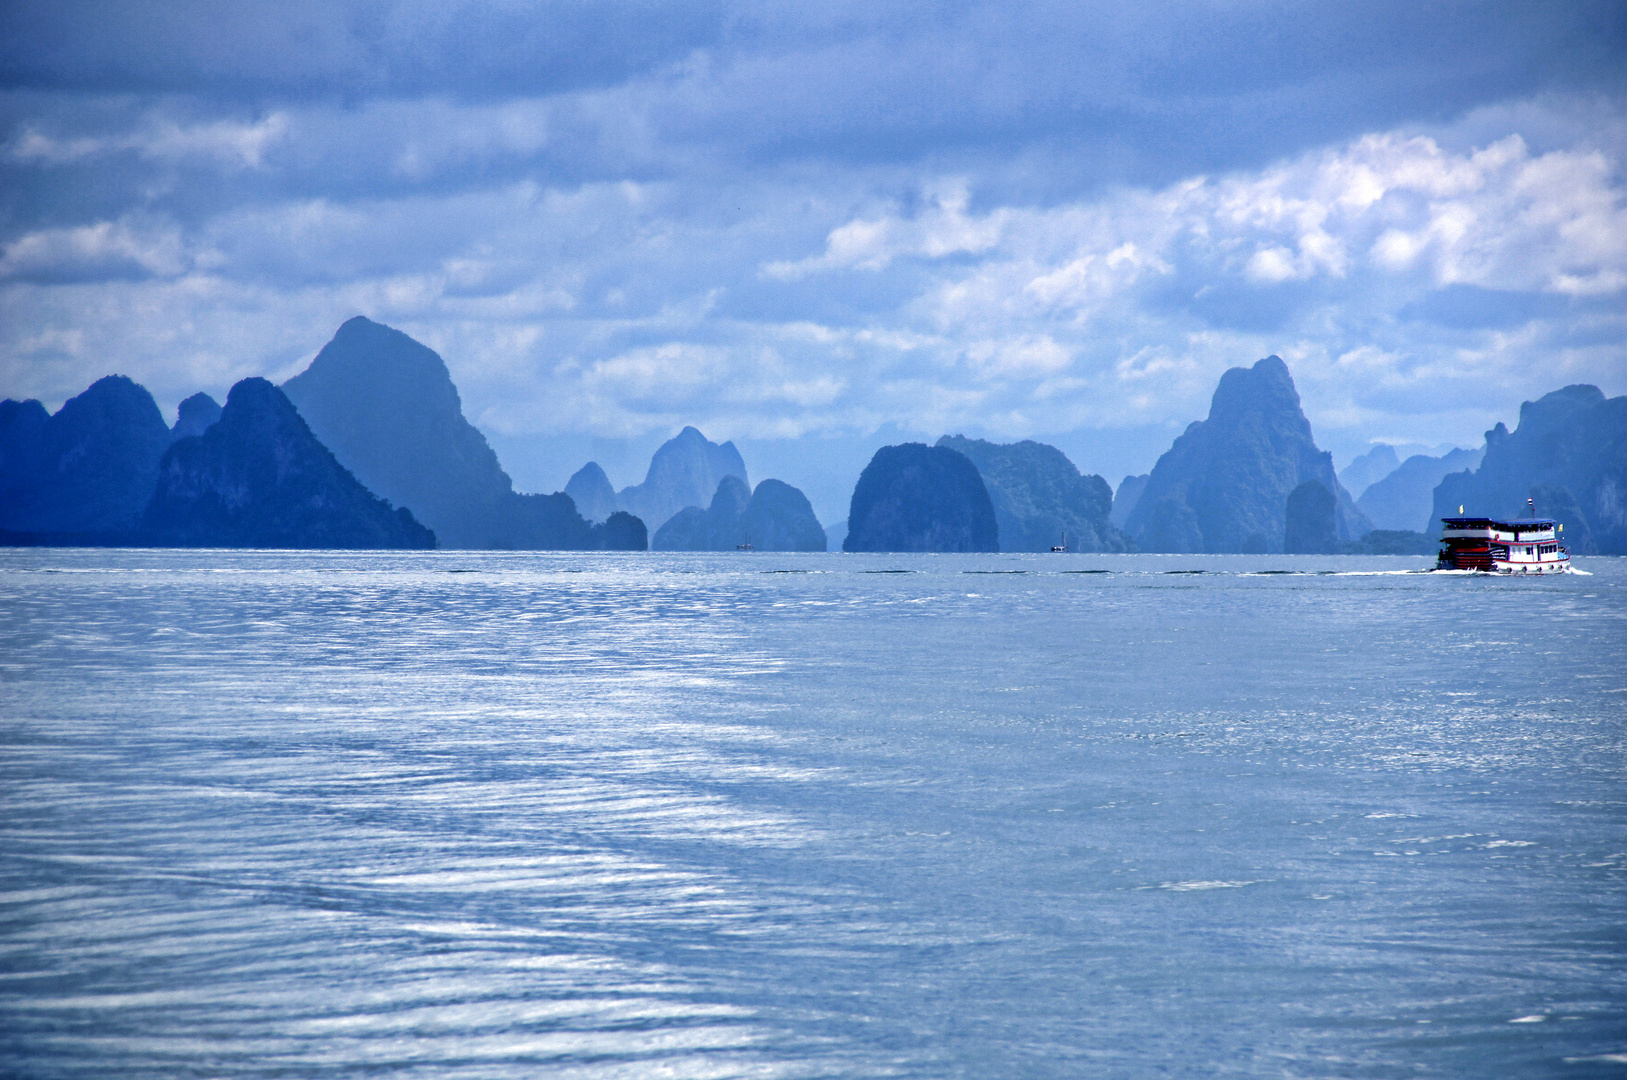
463	814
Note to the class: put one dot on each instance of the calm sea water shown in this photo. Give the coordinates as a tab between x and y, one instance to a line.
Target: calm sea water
268	814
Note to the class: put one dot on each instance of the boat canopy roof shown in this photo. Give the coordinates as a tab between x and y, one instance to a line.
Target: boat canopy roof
1523	524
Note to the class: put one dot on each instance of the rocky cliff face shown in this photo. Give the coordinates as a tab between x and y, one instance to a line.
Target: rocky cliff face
194	416
1040	497
716	528
386	406
590	489
915	497
258	477
780	518
1126	497
1403	499
90	468
1310	528
684	471
1368	469
22	424
550	522
620	531
1569	451
775	517
1223	486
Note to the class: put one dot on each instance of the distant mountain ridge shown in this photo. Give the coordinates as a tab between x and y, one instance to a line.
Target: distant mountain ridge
90	474
775	517
780	518
195	415
1405	498
1040	498
257	477
914	497
1223	486
684	471
1249	477
88	469
1569	453
1310	527
1368	469
716	528
22	427
387	408
1125	498
590	489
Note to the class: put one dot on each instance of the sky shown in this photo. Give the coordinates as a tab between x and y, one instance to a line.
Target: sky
819	228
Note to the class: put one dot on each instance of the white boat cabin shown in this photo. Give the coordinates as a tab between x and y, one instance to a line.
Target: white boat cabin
1520	546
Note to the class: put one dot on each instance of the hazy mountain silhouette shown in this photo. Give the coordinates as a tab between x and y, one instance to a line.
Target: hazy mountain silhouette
258	477
22	426
550	522
915	497
1393	542
1404	498
194	416
776	517
1039	496
1223	486
89	469
1309	527
386	406
1126	497
1569	451
1368	469
590	489
717	528
684	471
780	518
620	531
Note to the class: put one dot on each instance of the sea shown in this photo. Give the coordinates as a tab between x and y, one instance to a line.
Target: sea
625	815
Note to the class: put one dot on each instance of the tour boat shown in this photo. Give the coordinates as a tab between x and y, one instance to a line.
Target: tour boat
1495	546
1063	546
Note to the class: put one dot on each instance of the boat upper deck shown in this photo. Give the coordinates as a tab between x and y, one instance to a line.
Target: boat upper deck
1517	530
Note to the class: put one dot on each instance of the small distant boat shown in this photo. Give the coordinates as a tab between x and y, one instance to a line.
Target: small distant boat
1497	546
745	546
1062	547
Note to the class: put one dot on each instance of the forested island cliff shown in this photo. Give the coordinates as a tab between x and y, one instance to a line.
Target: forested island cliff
368	447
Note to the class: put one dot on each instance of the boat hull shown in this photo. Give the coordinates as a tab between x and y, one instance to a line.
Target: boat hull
1511	569
1479	562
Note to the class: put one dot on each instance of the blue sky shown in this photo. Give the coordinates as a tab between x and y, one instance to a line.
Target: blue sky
818	228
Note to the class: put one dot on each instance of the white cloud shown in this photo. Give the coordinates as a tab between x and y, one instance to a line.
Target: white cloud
1026	357
943	229
105	249
1497	217
158	138
836	300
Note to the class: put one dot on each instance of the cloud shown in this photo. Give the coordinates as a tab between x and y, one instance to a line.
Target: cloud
774	220
346	48
1382	212
941	230
232	143
103	251
1135	93
618	309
